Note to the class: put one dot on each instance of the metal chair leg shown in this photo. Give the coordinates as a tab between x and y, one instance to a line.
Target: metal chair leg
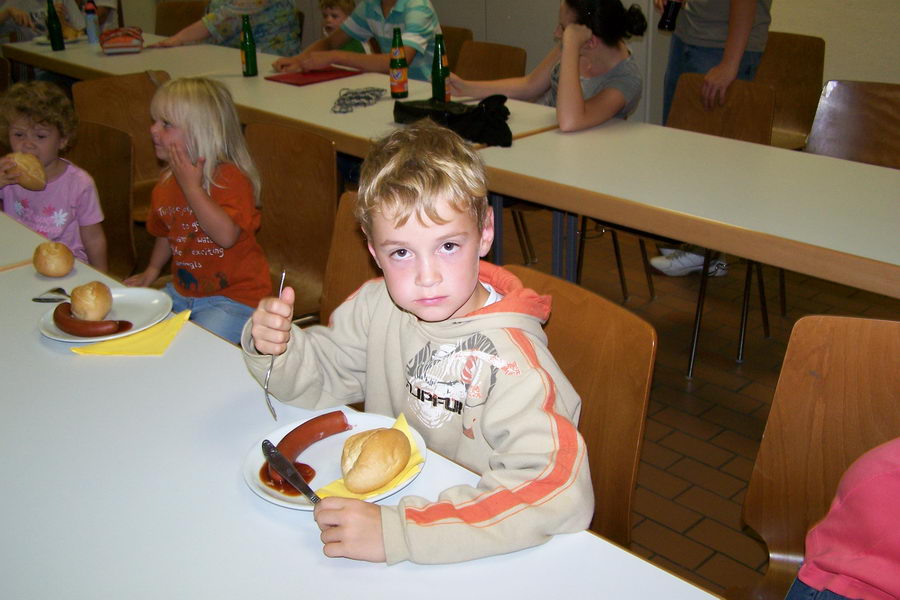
782	292
528	257
745	311
698	317
618	252
648	270
496	201
579	265
763	307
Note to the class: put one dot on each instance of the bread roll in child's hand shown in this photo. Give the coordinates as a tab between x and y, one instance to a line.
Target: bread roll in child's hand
53	259
30	169
372	458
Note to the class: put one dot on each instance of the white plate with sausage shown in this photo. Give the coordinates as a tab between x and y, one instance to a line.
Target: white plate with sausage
143	307
324	457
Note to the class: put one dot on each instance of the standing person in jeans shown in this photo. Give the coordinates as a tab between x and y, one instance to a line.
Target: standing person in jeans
725	40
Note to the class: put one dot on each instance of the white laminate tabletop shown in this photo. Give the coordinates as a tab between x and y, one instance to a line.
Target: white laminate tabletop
308	105
18	242
122	478
683	184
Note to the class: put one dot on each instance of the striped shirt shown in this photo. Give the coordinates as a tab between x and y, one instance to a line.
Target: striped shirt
416	19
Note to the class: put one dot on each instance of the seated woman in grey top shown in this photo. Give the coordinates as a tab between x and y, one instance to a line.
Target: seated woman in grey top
589	75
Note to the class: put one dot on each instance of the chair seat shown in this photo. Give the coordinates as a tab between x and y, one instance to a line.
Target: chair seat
788	139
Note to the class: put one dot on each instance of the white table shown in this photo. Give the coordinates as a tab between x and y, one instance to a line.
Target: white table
122	479
259	99
822	216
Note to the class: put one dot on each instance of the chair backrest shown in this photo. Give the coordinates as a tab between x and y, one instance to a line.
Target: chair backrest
485	61
123	102
349	263
837	397
5	74
453	41
106	153
793	65
747	114
299	197
174	15
858	120
607	353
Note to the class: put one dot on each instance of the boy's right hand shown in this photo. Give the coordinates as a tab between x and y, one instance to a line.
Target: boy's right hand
287	64
271	323
144	279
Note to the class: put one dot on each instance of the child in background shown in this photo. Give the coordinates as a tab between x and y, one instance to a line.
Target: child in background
454	344
590	76
38	118
335	12
203	210
374	19
30	17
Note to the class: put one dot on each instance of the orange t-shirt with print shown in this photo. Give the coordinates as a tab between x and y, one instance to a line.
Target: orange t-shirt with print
200	267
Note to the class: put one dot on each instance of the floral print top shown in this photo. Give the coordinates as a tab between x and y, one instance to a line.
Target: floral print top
276	28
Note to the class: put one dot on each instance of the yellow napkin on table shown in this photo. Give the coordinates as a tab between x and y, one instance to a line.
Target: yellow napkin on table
152	341
337	488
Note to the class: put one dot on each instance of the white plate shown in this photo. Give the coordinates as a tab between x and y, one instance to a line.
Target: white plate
325	457
142	306
43	40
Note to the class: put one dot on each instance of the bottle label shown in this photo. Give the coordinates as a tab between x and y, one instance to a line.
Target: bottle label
399	83
397	53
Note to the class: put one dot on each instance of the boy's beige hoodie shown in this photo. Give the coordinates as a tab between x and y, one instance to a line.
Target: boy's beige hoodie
483	390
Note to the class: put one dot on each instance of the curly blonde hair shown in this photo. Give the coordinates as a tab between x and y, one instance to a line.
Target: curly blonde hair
40	103
412	169
205	110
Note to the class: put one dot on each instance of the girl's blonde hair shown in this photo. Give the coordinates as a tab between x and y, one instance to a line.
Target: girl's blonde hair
205	110
41	103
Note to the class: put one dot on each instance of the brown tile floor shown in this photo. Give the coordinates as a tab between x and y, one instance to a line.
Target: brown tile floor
702	435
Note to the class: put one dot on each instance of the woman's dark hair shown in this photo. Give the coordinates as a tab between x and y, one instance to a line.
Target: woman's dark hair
608	19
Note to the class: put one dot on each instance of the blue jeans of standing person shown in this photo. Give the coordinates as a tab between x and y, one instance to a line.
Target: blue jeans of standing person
687	58
218	314
801	591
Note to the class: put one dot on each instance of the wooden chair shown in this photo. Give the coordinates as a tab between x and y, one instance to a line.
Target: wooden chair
123	102
349	263
485	60
836	398
747	115
106	153
5	74
174	15
299	195
607	353
793	65
860	121
454	37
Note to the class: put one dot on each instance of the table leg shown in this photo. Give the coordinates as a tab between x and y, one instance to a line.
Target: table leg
556	264
496	201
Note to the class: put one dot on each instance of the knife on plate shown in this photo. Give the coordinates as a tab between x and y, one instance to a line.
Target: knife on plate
286	469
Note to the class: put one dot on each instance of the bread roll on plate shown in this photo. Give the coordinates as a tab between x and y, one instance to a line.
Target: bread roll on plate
53	259
31	171
372	458
91	301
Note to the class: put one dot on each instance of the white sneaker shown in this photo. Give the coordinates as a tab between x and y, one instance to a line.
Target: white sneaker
679	263
666	251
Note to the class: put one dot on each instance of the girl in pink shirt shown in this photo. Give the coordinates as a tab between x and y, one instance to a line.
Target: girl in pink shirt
38	118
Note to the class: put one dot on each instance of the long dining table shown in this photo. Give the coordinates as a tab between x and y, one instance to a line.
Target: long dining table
824	217
124	476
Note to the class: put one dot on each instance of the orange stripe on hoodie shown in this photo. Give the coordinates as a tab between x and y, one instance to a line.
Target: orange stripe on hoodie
554	479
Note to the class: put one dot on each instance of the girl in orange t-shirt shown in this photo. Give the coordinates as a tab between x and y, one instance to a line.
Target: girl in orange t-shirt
203	210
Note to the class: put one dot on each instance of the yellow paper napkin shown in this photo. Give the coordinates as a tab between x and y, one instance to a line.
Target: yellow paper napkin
337	488
152	341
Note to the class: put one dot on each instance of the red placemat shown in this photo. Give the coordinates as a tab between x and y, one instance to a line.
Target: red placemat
312	76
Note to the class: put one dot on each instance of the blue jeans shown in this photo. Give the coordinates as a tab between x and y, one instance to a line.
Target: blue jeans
218	314
686	58
801	591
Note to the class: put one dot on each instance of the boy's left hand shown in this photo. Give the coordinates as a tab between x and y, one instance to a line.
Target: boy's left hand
186	173
350	528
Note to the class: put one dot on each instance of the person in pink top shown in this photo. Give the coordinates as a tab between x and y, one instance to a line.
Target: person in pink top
854	552
37	118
